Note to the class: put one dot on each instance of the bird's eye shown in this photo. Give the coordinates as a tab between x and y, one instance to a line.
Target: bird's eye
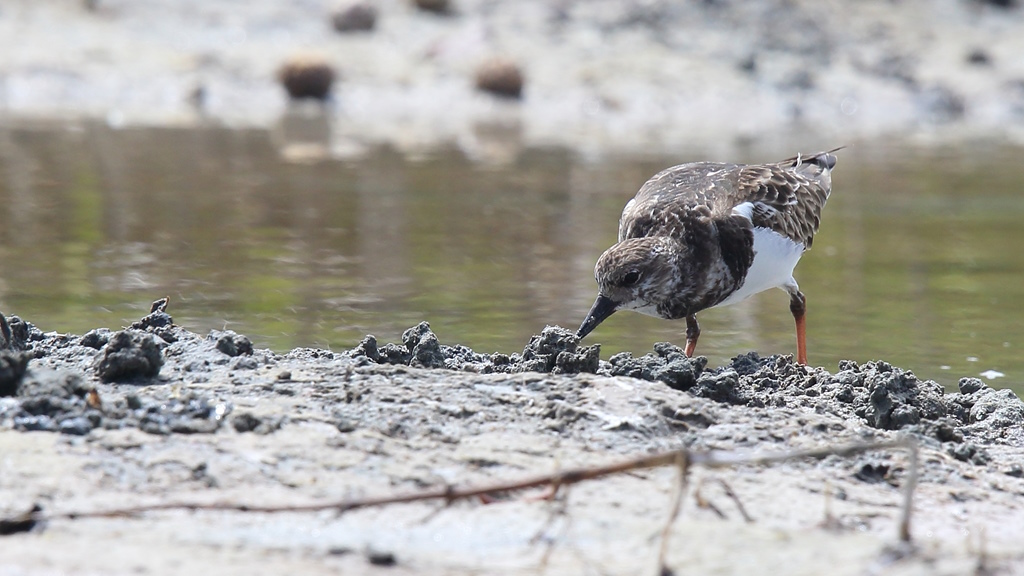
631	278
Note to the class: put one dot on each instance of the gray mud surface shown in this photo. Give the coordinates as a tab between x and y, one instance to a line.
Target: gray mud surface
600	76
155	413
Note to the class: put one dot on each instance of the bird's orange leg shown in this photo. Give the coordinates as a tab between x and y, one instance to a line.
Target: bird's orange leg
798	306
692	333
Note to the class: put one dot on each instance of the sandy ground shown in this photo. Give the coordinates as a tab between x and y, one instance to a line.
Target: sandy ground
220	422
604	76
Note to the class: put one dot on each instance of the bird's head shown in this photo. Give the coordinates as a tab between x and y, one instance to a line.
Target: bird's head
635	274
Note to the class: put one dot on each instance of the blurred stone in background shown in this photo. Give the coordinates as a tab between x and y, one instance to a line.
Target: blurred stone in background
500	76
307	76
435	6
607	76
358	17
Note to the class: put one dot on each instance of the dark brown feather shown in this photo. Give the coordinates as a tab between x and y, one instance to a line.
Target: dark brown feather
788	196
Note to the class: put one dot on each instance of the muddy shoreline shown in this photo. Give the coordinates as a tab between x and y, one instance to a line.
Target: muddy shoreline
158	413
599	77
99	420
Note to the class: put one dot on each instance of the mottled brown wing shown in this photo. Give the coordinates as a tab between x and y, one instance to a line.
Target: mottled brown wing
787	196
671	197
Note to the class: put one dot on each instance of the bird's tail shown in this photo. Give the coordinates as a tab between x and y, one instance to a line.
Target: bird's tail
823	160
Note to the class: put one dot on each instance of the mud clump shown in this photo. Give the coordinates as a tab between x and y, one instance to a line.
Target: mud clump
15	333
556	350
56	402
970	385
998	408
721	387
59	401
61	395
968	452
424	348
129	355
191	414
877	393
12	369
158	322
231	343
896	398
157	317
95	339
667	364
248	422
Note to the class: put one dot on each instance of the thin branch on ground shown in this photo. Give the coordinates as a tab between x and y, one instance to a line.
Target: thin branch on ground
682	462
704	502
683	459
736	499
559	509
830	521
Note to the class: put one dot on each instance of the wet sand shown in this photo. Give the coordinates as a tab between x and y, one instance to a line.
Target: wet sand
223	422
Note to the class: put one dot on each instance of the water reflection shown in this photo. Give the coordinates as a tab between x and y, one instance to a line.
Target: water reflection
916	261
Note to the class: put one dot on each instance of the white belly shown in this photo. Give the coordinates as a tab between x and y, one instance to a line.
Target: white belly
775	257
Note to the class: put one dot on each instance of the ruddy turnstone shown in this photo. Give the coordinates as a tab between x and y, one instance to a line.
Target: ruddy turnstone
706	234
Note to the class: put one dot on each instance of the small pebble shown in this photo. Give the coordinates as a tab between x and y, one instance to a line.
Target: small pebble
358	17
435	6
378	558
501	77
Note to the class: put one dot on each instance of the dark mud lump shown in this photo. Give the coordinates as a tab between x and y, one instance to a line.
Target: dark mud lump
557	350
423	346
12	369
231	343
667	364
129	355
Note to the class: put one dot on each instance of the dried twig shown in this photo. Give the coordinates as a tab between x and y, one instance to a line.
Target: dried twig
736	499
682	462
682	459
559	503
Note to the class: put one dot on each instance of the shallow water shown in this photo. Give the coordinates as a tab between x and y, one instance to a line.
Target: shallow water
917	262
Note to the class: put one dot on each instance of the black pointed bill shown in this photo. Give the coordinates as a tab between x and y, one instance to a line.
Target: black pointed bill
603	307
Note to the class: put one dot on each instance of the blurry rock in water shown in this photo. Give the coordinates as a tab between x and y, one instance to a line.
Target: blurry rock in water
500	76
435	6
358	17
307	76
